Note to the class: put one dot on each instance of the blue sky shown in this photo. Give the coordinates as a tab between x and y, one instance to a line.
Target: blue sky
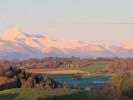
92	21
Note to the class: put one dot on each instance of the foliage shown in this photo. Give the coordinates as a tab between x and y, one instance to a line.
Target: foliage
118	84
23	79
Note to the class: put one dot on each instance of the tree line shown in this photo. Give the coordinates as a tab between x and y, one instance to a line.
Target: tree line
20	78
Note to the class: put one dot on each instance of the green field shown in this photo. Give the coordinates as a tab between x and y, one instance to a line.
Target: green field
43	94
97	66
90	67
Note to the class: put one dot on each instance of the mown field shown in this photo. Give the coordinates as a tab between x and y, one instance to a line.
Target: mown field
43	94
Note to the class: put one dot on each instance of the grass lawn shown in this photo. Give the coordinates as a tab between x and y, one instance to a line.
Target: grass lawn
43	94
97	66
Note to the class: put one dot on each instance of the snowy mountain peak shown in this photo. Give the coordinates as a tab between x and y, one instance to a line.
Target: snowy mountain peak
13	34
14	30
128	45
15	44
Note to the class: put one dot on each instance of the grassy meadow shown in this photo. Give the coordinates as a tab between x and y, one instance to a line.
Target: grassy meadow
97	66
43	94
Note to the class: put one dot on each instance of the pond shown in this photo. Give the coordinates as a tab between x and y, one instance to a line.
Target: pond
83	82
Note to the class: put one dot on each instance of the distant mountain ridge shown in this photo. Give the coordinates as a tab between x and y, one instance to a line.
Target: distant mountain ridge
15	44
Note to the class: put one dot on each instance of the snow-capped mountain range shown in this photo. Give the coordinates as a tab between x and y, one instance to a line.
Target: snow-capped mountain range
15	44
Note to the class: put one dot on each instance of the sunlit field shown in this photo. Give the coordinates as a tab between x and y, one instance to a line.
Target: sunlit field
56	71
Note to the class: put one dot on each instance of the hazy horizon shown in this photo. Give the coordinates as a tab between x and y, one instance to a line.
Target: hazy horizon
96	22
